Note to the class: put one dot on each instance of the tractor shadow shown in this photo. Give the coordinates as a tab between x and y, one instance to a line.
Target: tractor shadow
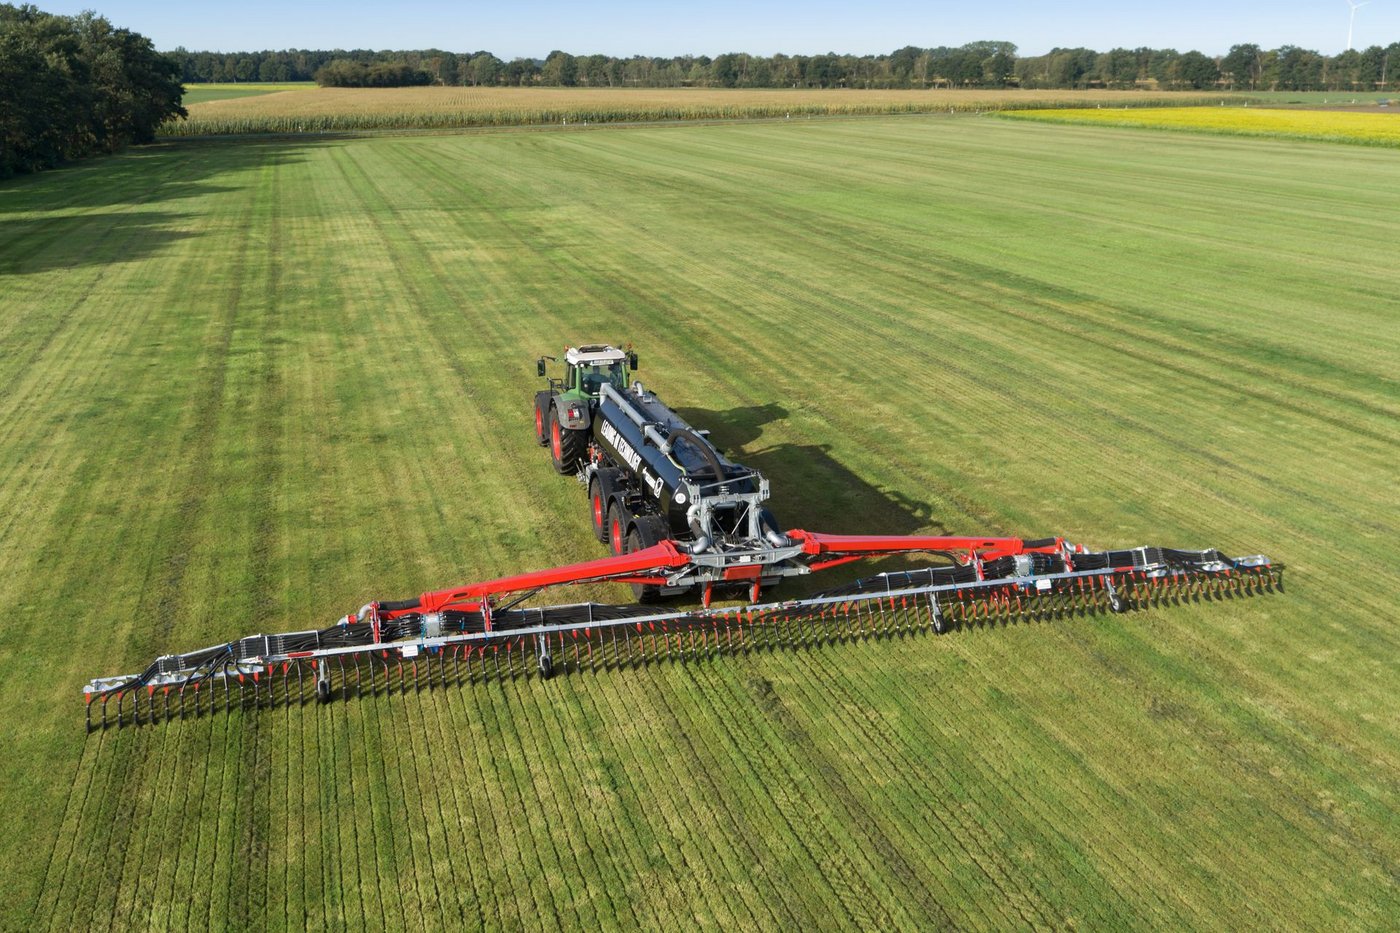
811	489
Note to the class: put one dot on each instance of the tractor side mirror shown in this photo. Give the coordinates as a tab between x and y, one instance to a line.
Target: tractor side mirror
539	366
632	360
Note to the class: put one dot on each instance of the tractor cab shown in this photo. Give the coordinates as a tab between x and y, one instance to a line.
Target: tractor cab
588	368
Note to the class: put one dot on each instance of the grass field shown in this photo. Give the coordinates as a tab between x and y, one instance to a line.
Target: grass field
248	385
202	93
319	110
1378	128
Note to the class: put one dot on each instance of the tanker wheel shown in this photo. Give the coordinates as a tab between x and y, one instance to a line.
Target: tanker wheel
639	538
598	510
617	526
566	446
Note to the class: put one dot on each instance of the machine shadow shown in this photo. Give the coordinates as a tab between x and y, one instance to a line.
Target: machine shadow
811	489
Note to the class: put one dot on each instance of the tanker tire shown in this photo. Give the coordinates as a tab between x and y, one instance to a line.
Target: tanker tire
618	520
642	535
598	509
566	447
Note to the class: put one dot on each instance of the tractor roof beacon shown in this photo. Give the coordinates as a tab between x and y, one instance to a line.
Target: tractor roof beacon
678	516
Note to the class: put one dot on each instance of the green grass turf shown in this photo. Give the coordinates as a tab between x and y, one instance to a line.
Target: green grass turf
200	93
245	387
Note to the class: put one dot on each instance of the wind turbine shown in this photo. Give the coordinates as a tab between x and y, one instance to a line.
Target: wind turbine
1354	7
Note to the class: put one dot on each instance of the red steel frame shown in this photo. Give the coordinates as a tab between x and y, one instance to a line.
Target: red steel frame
646	566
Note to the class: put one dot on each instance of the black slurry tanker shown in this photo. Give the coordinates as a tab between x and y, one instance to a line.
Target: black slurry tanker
650	475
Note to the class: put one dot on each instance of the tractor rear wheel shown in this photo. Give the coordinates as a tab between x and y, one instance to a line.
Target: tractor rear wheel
598	509
566	447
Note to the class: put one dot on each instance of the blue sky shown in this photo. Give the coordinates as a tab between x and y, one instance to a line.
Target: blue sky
628	27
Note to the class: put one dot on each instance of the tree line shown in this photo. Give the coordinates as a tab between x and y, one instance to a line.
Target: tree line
72	86
977	64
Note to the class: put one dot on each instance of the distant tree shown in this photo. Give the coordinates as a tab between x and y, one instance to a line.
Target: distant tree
1244	64
1196	71
560	69
1000	68
1161	66
71	86
345	72
521	72
1119	68
483	68
1299	69
1071	68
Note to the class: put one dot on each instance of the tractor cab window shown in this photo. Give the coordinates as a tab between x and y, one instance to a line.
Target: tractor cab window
614	374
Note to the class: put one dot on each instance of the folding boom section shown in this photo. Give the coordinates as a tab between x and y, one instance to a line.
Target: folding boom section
483	630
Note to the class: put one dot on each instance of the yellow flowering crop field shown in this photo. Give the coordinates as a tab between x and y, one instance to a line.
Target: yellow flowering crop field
1381	128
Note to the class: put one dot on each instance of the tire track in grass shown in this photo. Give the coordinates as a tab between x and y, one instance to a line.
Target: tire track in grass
645	792
876	743
880	735
775	776
683	722
429	792
449	745
49	898
629	839
501	761
1014	886
1210	855
566	821
582	754
705	726
983	775
864	828
899	759
1006	746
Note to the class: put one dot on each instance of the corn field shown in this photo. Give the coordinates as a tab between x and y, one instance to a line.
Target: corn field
329	110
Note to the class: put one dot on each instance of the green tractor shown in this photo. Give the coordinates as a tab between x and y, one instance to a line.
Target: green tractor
564	412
